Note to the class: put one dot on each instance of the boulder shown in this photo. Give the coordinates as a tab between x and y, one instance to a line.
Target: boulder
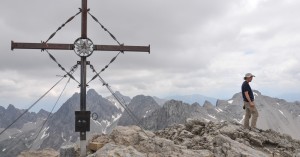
49	152
68	151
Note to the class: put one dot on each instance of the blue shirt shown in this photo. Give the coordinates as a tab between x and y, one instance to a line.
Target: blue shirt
246	87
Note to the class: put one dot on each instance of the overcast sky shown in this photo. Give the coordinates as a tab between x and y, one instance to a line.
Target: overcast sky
197	47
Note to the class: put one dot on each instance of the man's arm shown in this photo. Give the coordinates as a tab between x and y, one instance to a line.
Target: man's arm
248	98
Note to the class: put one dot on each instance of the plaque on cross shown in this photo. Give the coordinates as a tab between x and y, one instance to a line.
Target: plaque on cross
83	47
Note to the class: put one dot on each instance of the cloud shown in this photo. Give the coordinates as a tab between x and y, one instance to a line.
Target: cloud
200	47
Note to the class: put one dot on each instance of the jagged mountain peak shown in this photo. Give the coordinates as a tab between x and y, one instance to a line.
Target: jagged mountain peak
118	93
174	103
195	104
142	106
11	107
238	95
92	93
258	93
42	113
190	99
208	105
142	98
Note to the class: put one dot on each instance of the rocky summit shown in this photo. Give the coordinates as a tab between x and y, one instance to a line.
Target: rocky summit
195	138
231	139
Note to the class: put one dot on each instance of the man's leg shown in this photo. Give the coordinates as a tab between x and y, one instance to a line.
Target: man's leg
254	113
247	115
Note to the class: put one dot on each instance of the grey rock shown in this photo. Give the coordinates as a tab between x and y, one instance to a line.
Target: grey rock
45	152
112	150
230	139
136	142
67	151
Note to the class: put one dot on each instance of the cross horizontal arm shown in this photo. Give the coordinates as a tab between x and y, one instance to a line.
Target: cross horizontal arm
41	46
56	46
122	48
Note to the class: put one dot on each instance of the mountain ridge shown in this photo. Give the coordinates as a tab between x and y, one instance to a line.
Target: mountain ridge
192	98
274	112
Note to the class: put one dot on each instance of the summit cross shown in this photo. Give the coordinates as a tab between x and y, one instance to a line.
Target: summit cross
83	47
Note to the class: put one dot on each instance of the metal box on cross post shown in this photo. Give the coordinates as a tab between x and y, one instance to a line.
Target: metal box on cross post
82	121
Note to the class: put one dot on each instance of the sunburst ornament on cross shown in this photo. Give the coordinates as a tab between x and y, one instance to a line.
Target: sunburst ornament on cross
83	47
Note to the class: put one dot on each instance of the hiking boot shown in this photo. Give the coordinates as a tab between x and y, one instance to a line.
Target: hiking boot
256	130
247	129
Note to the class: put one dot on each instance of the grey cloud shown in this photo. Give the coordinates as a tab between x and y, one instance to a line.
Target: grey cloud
196	46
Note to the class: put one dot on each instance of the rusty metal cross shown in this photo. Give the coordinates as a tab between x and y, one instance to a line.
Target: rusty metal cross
83	47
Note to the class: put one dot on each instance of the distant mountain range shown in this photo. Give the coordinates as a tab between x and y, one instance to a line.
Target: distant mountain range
190	99
151	112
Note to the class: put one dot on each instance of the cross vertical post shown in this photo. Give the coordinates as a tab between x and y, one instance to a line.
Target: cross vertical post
83	76
83	103
84	19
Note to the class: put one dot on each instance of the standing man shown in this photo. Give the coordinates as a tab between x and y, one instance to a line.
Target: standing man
249	104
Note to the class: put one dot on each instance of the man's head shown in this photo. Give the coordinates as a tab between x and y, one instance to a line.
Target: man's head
248	77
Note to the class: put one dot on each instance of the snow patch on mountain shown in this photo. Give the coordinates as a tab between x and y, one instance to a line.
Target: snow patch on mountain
118	105
146	113
219	110
282	113
62	136
96	122
230	101
212	116
106	122
241	121
206	120
117	117
44	133
236	120
124	99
